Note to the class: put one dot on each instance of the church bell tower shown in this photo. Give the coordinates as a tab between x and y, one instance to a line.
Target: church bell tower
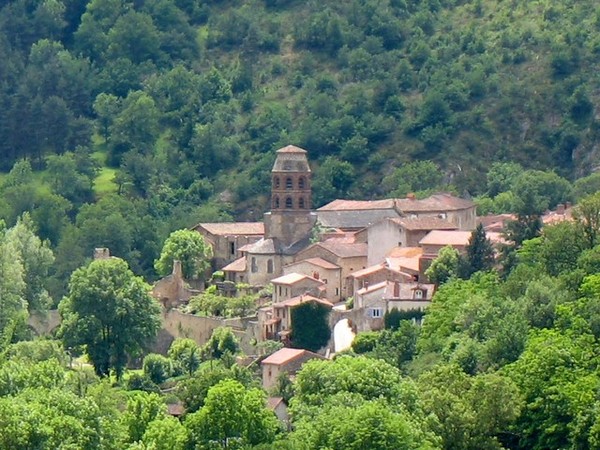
290	219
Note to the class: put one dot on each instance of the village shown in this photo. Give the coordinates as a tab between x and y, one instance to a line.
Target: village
358	260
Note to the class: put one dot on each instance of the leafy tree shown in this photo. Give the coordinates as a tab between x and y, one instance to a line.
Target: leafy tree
36	258
222	340
587	215
536	191
165	433
444	267
310	326
157	367
501	177
232	416
188	247
142	409
109	311
413	177
186	354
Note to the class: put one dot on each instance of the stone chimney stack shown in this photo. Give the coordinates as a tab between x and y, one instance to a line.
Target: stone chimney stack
101	253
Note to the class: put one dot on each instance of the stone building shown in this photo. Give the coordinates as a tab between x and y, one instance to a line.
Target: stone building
287	226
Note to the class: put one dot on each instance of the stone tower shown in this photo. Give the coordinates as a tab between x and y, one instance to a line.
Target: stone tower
290	219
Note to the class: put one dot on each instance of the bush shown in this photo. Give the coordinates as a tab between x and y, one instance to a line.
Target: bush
157	367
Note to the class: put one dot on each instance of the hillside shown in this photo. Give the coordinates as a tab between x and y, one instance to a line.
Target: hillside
188	100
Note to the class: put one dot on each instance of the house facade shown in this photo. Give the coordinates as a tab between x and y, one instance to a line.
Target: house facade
320	269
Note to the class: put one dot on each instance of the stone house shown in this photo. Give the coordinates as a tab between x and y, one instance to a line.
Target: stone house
172	290
294	284
348	255
406	260
375	300
236	271
227	238
320	269
282	312
376	274
400	232
357	214
284	361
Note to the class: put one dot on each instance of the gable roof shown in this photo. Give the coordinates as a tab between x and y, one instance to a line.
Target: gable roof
239	265
293	278
455	238
284	356
372	288
298	300
423	223
233	228
319	262
357	205
344	249
433	203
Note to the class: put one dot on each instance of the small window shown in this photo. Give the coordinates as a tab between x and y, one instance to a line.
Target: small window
301	203
280	291
289	184
288	203
337	291
232	248
254	267
276	182
270	266
418	294
376	313
301	183
276	203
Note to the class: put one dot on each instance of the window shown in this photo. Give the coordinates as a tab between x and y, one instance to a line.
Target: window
418	294
270	266
276	203
301	203
280	291
337	291
376	313
301	183
324	280
288	203
289	184
276	182
232	248
254	267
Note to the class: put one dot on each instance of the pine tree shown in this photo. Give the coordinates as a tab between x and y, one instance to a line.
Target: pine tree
480	253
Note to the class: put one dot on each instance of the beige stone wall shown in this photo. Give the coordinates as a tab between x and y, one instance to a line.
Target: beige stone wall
382	237
333	285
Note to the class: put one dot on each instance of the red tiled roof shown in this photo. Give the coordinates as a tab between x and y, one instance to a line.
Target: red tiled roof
424	223
368	270
293	278
233	228
347	205
295	301
405	252
437	202
455	238
239	265
320	262
284	356
372	288
344	249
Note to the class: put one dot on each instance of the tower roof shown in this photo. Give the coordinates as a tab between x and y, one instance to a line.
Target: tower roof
291	159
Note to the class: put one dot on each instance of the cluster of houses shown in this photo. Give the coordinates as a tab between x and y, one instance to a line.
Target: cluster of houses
374	252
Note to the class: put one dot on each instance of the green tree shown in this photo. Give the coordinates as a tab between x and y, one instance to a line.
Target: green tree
232	416
165	433
110	312
310	326
587	215
480	253
186	354
444	267
157	367
222	340
189	247
142	409
501	177
36	258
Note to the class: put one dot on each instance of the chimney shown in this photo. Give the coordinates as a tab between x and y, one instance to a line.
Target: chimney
411	196
101	253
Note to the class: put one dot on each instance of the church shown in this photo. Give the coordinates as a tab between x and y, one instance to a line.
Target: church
287	227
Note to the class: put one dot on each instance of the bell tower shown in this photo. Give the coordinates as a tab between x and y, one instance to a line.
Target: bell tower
290	219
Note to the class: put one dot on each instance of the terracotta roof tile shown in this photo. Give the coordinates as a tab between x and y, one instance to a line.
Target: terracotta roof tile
320	262
295	301
239	265
372	288
284	356
354	205
455	238
293	278
424	223
233	228
405	252
344	249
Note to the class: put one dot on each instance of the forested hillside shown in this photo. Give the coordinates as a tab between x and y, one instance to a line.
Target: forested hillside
127	120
